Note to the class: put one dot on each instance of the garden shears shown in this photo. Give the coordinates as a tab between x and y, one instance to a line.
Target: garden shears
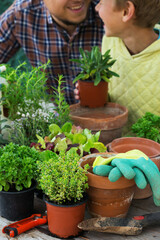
23	225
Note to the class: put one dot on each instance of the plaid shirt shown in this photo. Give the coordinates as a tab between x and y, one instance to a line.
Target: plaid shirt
28	24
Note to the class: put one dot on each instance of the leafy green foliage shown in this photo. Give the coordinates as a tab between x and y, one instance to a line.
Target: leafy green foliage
69	136
17	167
26	98
95	66
24	91
62	109
148	127
60	176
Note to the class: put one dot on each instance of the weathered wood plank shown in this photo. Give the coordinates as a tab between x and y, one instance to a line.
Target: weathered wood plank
138	207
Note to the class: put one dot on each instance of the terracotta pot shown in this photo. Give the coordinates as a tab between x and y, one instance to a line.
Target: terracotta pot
93	96
149	147
110	119
63	219
107	199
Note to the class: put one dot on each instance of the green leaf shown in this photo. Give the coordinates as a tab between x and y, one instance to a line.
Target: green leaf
61	146
6	187
96	136
100	147
41	141
47	154
66	127
54	129
79	138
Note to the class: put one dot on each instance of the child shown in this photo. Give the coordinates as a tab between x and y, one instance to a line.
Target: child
130	34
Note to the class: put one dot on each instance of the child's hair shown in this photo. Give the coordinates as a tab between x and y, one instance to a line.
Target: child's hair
147	11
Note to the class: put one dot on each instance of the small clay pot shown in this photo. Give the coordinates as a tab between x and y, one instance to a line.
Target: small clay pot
93	96
109	119
107	199
149	147
63	219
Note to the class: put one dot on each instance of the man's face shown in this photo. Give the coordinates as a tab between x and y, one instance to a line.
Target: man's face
68	12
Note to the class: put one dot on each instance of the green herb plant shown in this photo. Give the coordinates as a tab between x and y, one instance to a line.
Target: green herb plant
25	96
61	114
148	127
18	167
61	178
24	90
94	66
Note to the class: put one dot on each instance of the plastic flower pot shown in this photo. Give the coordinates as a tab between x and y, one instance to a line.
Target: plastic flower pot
93	96
63	219
17	205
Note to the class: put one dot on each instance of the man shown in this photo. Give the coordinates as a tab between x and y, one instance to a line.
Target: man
54	30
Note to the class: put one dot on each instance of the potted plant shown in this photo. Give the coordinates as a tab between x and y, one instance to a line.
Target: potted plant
18	171
64	184
95	73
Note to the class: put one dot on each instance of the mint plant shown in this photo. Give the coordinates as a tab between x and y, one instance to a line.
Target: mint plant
18	167
61	178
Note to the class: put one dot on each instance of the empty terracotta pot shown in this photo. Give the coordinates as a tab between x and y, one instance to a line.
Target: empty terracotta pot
110	119
93	96
149	147
107	199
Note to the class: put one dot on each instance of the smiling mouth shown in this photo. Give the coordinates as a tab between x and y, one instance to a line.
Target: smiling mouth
78	7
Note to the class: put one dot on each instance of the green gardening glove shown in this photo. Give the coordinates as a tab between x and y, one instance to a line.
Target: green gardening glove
139	169
114	174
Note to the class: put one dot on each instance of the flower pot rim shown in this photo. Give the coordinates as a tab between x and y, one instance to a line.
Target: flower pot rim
79	202
33	186
103	182
150	143
104	123
91	81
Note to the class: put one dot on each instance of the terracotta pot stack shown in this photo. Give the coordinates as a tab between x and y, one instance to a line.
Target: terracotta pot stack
110	119
149	147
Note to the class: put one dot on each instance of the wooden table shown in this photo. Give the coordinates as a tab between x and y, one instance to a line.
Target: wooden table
138	207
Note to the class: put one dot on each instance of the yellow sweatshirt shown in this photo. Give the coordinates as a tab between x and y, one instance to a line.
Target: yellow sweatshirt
138	87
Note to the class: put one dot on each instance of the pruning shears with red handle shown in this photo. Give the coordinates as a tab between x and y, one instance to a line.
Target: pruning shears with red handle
23	225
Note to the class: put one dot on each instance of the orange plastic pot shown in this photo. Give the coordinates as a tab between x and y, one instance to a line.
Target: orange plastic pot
105	198
63	219
93	96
